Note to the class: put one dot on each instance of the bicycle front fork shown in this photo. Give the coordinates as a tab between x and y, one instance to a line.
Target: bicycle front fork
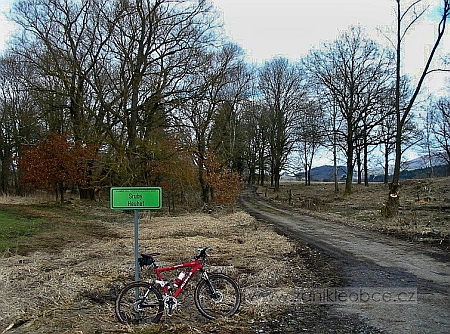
215	294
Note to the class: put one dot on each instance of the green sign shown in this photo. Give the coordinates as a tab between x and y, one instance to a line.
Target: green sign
136	198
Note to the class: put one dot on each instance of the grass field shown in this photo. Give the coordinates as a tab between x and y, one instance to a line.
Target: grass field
14	230
51	227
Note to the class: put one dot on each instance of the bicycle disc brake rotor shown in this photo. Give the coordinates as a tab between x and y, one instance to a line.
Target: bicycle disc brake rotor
217	296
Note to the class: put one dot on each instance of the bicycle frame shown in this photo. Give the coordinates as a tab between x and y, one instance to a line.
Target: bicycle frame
195	266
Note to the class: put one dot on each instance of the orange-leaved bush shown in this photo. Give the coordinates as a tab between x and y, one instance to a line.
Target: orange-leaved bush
55	163
225	184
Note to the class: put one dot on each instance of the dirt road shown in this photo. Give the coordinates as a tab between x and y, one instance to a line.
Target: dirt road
392	285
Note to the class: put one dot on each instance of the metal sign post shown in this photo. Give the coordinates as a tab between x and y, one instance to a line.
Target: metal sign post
136	198
136	245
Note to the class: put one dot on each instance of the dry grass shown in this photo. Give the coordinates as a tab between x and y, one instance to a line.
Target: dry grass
36	198
73	290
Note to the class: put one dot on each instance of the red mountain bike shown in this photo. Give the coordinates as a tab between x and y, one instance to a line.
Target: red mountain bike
216	294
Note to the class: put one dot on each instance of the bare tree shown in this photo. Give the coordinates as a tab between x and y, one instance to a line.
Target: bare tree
217	89
280	83
356	72
441	129
61	41
19	120
154	49
113	70
332	125
228	134
310	136
254	127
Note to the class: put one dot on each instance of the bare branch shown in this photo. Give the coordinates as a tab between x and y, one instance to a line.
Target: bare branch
438	70
415	19
441	30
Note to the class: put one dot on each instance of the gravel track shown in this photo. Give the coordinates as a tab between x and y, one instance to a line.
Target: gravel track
375	263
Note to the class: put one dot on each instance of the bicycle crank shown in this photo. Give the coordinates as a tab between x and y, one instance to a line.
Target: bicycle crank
170	304
137	305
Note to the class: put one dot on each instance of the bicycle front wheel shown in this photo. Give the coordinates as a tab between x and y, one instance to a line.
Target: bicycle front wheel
217	296
139	303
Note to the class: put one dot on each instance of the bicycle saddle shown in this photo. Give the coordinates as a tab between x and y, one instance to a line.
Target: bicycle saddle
147	259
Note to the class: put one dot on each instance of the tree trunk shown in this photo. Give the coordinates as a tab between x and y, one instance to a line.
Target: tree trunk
203	184
272	172
391	206
4	173
87	193
386	166
277	181
276	176
261	166
349	179
336	181
309	175
390	209
61	189
350	156
365	163
251	172
359	163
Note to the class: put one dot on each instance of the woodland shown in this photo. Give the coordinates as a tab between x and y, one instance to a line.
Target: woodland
101	93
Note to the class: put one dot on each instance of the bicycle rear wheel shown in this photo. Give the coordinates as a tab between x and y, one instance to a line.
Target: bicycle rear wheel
139	303
217	296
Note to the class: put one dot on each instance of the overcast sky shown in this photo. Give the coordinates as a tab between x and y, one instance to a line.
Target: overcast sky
290	28
6	27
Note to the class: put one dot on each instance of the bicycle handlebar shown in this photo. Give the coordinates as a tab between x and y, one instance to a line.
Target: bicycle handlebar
147	259
202	253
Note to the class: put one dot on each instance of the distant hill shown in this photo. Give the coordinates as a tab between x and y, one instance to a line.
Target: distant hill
422	162
326	173
414	169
